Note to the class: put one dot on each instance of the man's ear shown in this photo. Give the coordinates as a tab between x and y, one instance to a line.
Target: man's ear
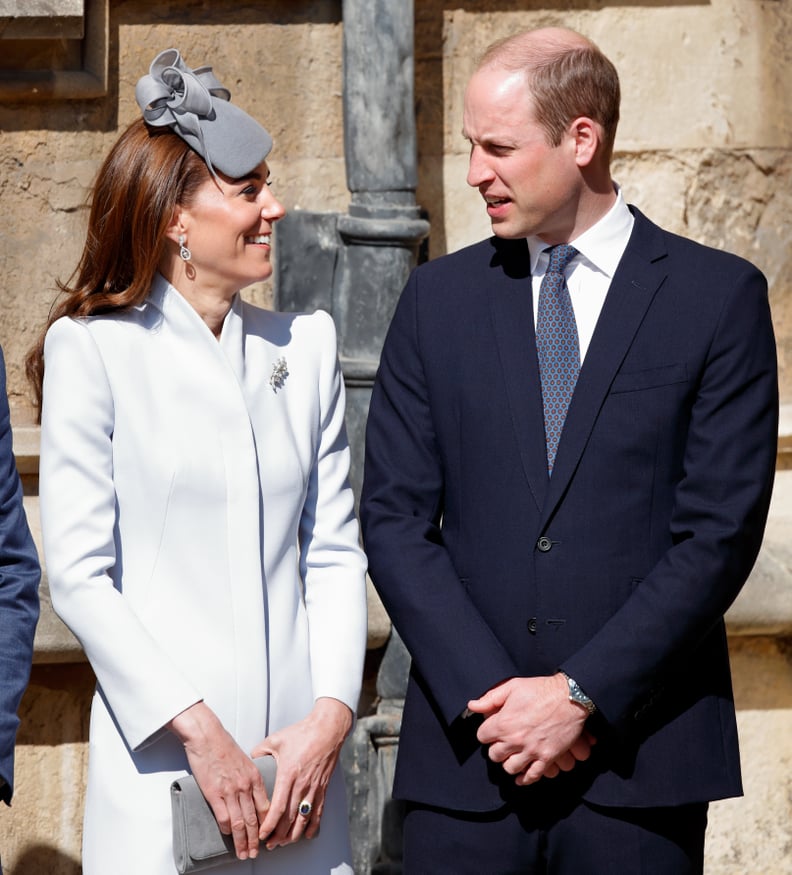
587	135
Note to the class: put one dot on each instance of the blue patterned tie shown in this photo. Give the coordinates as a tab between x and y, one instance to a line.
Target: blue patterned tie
557	346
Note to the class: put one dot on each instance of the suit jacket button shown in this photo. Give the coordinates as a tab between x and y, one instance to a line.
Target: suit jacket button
532	625
544	544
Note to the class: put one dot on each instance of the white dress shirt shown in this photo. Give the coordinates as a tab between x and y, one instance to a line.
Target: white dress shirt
589	274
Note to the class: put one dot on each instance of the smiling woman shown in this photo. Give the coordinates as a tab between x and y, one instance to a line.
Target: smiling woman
226	229
197	519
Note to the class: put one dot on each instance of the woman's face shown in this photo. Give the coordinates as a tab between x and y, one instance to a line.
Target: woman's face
228	229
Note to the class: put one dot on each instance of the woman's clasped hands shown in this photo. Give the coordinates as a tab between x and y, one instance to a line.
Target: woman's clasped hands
306	754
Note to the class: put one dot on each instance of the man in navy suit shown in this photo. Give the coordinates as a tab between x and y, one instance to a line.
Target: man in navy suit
19	603
569	708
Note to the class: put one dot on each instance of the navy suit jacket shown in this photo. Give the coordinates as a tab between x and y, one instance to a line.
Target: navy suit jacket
19	603
620	567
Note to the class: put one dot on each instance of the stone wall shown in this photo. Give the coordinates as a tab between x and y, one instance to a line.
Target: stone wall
703	148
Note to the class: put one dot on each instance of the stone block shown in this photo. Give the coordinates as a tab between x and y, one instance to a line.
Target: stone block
764	607
752	835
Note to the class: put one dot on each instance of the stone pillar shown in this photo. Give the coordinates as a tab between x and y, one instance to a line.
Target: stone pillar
354	265
383	229
369	759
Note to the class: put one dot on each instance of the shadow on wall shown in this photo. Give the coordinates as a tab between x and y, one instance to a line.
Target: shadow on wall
42	858
55	709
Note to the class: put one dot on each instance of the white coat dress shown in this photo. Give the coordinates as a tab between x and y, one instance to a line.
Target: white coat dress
201	543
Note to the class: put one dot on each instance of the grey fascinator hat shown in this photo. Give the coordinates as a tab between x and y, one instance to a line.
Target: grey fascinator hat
194	105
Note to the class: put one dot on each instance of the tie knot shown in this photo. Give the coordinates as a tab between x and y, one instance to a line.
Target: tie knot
560	256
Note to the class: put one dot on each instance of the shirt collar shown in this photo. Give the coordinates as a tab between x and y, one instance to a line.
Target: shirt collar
603	244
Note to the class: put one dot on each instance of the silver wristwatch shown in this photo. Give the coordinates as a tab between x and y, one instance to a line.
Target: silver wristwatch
577	695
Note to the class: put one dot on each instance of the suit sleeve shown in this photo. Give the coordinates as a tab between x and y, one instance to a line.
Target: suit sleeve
453	648
718	519
78	515
332	563
19	603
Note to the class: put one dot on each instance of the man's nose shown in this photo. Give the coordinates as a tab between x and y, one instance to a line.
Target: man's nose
478	168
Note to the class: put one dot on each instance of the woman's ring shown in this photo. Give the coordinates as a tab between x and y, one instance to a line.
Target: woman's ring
305	808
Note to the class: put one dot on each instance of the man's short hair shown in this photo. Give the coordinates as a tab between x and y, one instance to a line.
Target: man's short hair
567	78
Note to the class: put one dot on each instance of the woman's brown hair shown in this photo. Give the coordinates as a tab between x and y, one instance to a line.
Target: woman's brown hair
148	173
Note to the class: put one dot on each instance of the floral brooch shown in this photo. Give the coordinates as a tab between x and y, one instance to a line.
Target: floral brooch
280	370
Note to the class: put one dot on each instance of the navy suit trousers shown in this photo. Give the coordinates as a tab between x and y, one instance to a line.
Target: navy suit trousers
554	839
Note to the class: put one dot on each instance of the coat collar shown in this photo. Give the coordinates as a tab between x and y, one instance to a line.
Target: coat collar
182	317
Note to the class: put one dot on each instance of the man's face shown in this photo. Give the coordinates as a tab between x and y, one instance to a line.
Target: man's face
529	186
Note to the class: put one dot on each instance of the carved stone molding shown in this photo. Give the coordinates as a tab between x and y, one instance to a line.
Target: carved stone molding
53	49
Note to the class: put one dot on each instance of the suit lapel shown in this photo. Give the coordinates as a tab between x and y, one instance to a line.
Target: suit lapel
640	274
511	305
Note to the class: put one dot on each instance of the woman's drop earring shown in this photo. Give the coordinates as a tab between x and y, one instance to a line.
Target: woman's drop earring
184	252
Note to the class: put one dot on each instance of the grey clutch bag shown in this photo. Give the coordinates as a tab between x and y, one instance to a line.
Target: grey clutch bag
198	843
